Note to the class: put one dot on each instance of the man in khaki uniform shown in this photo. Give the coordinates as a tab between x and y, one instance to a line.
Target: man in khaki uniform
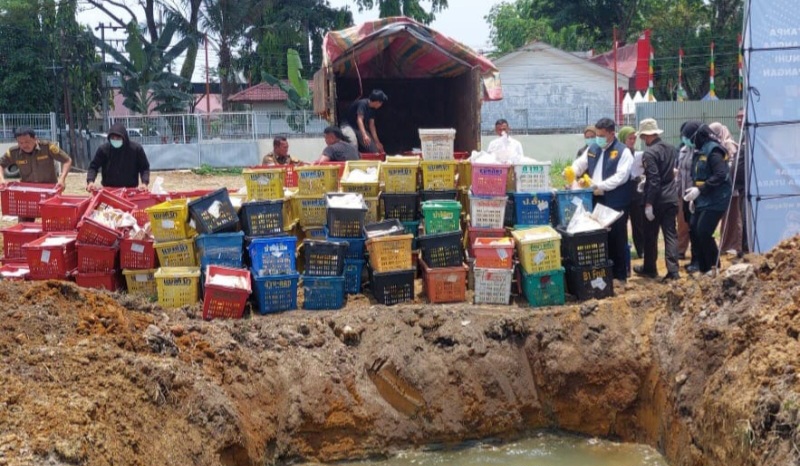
280	153
36	159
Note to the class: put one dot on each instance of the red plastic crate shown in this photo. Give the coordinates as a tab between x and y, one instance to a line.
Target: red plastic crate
373	156
141	217
92	232
290	180
489	179
62	213
93	258
22	199
445	285
494	253
459	155
136	254
52	261
106	198
14	272
477	232
99	280
142	199
221	301
17	235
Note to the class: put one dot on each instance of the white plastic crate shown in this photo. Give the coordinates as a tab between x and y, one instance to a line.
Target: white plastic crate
492	286
487	211
532	176
437	144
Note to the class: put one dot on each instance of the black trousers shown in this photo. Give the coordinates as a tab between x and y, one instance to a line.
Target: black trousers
638	219
701	231
665	222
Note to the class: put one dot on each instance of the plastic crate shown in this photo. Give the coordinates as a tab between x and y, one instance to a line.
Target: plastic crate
313	232
446	195
442	249
62	213
276	293
366	188
264	183
389	253
137	254
15	236
492	286
273	256
441	216
412	228
290	180
141	282
51	261
533	208
461	155
355	246
538	248
323	293
177	286
180	253
531	176
109	281
544	288
489	179
437	144
262	218
400	177
15	272
474	232
511	211
108	199
445	285
438	176
464	171
92	232
353	269
402	207
225	302
311	210
213	213
169	220
373	156
94	259
393	287
345	222
384	228
373	210
493	253
142	199
584	249
221	249
569	200
487	212
316	180
594	282
21	199
324	258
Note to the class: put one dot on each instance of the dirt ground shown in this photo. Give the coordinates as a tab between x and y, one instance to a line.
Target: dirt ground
705	369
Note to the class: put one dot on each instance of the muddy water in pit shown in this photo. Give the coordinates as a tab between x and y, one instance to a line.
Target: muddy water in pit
545	449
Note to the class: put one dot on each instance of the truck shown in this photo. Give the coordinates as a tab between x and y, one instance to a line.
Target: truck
432	81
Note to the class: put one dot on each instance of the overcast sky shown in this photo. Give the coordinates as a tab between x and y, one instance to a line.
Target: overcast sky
463	21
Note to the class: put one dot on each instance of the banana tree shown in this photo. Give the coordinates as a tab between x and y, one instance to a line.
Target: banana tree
297	89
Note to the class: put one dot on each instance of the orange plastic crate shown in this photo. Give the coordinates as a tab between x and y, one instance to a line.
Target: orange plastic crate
493	253
445	285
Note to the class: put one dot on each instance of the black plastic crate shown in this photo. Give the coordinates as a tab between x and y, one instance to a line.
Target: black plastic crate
511	211
324	258
442	249
593	282
446	195
345	222
214	213
584	249
389	227
403	207
393	287
262	218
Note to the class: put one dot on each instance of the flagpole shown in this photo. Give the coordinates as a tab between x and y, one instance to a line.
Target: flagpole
712	93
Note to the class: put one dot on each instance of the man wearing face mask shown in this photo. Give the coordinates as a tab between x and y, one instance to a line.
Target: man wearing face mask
608	162
120	161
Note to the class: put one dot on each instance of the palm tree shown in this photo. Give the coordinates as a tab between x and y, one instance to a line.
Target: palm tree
411	8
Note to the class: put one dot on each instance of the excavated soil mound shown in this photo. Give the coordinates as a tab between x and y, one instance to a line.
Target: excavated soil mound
704	368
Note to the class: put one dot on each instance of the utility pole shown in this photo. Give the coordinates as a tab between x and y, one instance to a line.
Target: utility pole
208	91
104	79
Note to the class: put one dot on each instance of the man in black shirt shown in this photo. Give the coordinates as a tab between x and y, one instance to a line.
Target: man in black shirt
359	124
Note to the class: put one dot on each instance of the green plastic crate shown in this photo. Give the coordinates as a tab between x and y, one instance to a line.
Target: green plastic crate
544	288
441	216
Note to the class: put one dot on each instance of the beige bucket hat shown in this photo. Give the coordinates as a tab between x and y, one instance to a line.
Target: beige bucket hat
648	126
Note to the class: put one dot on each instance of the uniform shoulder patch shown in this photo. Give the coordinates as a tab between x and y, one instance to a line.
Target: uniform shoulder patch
54	148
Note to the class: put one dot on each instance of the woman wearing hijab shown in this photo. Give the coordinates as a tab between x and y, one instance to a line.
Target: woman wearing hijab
710	193
731	241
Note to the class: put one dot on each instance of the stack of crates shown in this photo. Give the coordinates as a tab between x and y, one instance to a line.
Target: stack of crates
273	267
391	271
588	269
400	196
539	252
267	209
323	277
369	189
346	225
313	182
532	197
442	252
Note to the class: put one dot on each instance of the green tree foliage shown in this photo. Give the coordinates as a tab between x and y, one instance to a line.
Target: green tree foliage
411	8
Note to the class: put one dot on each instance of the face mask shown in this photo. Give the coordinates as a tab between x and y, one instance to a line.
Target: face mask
590	141
115	143
600	141
686	142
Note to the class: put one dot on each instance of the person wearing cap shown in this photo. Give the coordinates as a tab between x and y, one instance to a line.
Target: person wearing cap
120	162
627	135
36	159
589	135
359	122
660	198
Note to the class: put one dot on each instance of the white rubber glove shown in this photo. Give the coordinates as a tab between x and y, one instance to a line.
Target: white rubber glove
691	207
691	194
648	212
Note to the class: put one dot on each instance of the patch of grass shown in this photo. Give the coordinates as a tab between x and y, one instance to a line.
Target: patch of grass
208	170
557	166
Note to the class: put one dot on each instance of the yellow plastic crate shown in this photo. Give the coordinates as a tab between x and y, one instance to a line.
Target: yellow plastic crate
389	253
179	253
316	180
368	189
141	282
400	176
464	174
439	175
539	249
289	215
170	220
177	286
310	209
373	210
264	184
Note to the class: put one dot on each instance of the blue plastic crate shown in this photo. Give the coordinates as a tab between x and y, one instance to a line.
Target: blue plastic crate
273	255
355	248
568	201
323	293
533	208
276	293
353	270
223	249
